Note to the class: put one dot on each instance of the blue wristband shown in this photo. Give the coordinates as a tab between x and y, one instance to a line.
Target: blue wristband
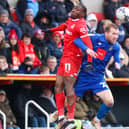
78	42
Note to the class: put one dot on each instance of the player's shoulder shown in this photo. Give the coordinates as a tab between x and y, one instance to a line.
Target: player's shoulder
101	37
82	20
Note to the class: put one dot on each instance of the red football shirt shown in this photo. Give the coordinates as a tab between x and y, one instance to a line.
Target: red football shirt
73	29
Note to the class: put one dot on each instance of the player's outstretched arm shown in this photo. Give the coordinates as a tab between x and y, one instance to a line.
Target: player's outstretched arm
78	42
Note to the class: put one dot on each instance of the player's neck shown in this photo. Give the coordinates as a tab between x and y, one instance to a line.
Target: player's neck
76	19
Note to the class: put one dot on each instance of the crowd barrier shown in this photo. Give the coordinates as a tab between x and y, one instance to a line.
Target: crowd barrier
52	79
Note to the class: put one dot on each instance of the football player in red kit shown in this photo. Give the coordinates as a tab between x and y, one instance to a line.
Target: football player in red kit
70	63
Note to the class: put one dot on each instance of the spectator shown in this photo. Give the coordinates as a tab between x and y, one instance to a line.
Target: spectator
27	50
110	7
4	5
126	45
5	107
60	12
47	102
33	4
55	47
22	97
7	24
40	45
122	31
28	25
81	109
44	21
27	67
92	23
14	53
46	7
22	5
102	25
52	64
3	45
44	69
4	68
123	72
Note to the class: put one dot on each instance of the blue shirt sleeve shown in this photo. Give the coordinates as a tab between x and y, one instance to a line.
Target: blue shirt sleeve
78	42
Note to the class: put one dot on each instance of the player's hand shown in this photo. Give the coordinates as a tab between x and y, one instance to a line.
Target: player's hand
91	52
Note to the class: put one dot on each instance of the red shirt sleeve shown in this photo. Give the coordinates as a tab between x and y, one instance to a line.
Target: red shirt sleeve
61	27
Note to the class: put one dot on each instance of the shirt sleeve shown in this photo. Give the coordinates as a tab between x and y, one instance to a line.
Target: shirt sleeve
61	27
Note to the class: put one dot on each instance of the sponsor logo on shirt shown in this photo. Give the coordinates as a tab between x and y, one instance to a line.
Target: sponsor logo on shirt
83	30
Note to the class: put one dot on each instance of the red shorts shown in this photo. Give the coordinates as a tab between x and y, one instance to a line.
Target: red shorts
69	67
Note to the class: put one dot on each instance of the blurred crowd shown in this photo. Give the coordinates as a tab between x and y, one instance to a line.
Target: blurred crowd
26	48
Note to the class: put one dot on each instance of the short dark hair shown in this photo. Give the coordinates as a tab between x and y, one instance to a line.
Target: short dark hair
112	25
26	35
84	8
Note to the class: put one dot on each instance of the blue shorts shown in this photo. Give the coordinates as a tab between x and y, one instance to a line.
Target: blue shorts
85	82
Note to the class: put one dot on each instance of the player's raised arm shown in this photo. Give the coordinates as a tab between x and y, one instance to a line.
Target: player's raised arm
59	28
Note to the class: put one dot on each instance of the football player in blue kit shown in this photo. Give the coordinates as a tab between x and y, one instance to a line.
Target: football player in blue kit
105	45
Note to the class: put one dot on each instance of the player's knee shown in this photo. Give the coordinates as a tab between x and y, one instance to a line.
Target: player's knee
109	102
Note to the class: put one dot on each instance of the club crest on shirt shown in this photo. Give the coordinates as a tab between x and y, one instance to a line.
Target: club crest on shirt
110	49
72	26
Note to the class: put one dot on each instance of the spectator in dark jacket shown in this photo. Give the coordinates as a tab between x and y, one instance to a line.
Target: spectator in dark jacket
27	67
110	7
126	44
40	45
7	24
123	72
52	64
28	25
55	47
22	97
44	21
47	102
46	7
61	13
122	32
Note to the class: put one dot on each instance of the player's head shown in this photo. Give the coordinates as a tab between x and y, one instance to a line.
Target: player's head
111	33
78	11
